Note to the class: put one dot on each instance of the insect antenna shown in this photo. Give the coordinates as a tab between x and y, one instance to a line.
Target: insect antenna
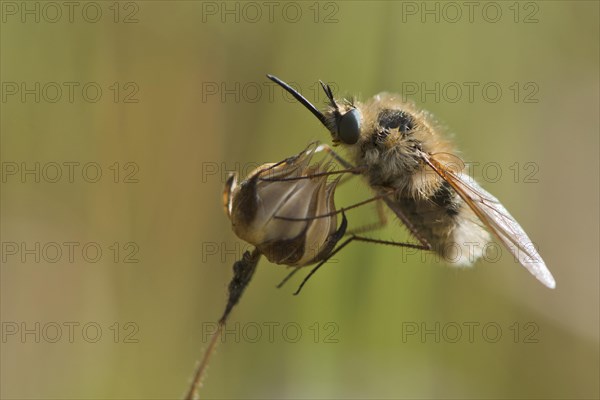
329	93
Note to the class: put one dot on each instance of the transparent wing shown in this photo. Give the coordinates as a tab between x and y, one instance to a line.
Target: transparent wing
497	219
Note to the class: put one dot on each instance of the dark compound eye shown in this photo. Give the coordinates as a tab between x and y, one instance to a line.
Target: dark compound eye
349	127
392	119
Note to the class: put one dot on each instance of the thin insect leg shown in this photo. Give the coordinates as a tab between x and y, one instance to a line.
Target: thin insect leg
311	273
355	170
333	154
412	229
348	167
277	164
390	204
290	160
360	239
390	243
382	221
327	148
287	277
332	240
341	210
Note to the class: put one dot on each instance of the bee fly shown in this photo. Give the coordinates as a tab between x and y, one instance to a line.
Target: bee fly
411	167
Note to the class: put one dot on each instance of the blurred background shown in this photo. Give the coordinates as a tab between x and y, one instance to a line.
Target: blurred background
120	122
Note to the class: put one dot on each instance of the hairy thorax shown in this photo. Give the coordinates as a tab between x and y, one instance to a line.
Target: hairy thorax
434	212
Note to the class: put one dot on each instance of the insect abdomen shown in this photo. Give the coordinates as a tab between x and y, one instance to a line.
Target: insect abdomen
446	198
446	222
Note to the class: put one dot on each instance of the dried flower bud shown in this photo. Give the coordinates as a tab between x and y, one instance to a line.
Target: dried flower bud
272	192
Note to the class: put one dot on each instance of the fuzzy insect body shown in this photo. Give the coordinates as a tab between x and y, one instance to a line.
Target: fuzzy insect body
390	152
412	167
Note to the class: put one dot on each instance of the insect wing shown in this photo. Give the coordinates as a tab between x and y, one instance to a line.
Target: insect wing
498	220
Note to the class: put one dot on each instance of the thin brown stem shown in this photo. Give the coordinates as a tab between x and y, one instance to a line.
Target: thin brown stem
192	393
243	270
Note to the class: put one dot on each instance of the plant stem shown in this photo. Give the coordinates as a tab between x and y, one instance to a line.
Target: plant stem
243	270
192	393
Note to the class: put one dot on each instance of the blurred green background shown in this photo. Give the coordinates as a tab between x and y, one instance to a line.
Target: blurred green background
184	99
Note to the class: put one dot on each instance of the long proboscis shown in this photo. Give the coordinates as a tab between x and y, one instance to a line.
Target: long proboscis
300	98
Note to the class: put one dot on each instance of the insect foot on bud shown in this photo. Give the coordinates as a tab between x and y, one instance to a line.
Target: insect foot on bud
286	210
